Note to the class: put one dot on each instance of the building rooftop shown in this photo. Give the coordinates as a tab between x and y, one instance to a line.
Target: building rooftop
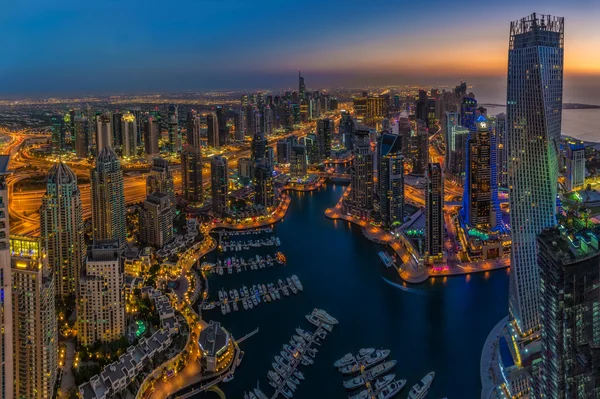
213	338
568	244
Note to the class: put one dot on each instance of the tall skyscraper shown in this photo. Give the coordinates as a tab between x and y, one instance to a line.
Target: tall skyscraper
130	135
108	198
264	191
298	161
284	151
219	184
212	131
391	179
468	112
301	86
156	220
80	131
151	136
62	228
6	313
193	129
222	126
347	129
419	148
434	206
325	129
58	132
575	175
569	264
101	298
173	129
191	174
161	179
34	317
117	134
258	150
502	150
268	121
361	172
533	116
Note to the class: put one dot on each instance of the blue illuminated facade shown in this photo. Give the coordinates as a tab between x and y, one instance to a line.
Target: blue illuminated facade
468	113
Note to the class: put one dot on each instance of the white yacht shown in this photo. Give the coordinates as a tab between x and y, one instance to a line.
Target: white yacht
379	356
391	390
385	380
296	281
364	394
354	383
420	391
345	361
324	316
260	394
380	369
363	353
277	367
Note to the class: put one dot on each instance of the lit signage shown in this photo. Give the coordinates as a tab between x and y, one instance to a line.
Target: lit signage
483	125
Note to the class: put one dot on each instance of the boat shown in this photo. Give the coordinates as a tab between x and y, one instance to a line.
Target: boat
289	349
245	304
303	333
285	391
220	295
299	339
354	382
344	361
268	298
327	327
223	310
297	282
250	303
283	363
299	374
236	293
291	385
231	295
321	334
420	391
254	290
351	369
291	286
264	287
287	356
273	376
260	394
277	241
254	301
364	394
324	316
391	390
209	306
385	258
379	370
277	294
385	380
277	367
313	320
307	359
235	306
294	379
379	356
363	353
251	395
228	308
245	289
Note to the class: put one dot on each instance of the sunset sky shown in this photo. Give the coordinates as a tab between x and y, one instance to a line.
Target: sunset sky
71	47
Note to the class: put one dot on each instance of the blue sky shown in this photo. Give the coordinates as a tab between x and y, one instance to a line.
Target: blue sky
67	46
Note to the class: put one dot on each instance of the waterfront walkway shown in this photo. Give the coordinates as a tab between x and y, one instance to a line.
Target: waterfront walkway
488	367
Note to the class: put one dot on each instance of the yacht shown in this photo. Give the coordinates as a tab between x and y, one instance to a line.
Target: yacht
307	359
385	380
291	385
345	361
379	356
289	349
294	379
245	303
236	294
268	298
254	301
299	339
299	374
313	320
324	316
296	281
251	395
260	394
250	303
264	287
285	391
223	310
220	295
364	394
287	356
292	286
235	306
327	327
391	390
380	369
277	367
363	353
303	333
283	363
245	289
420	391
354	382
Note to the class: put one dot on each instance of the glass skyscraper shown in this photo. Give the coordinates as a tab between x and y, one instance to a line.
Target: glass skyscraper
534	106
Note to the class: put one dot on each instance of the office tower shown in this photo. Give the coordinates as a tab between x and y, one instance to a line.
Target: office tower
193	128
419	148
502	150
391	180
245	170
6	314
191	174
173	129
223	129
117	134
569	267
151	136
324	135
130	134
212	132
270	157
298	161
301	86
284	151
161	179
258	147
480	199
58	131
80	131
219	184
240	131
533	117
468	112
101	298
360	107
34	317
434	205
361	173
425	109
156	220
264	191
377	107
62	229
347	129
405	131
312	148
575	176
108	198
268	121
103	133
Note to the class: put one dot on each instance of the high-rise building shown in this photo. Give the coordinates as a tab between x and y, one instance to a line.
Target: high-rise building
101	298
222	126
434	206
480	199
298	161
377	107
34	317
58	131
117	134
193	129
360	107
419	148
174	144
191	174
62	229
468	112
130	134
161	179
151	136
301	86
533	117
156	220
502	150
575	175
108	198
264	191
245	170
258	150
268	121
361	172
103	133
391	179
569	267
80	131
6	313
284	151
212	132
347	130
324	135
312	148
219	184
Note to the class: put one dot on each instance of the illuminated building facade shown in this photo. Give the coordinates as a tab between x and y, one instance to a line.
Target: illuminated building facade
419	148
456	143
151	136
468	112
391	179
193	128
298	161
156	220
377	107
325	129
174	135
217	347
284	151
264	190
219	184
130	135
34	317
62	229
502	150
108	198
360	107
360	203
101	296
161	180
434	206
191	174
6	314
533	117
82	138
575	175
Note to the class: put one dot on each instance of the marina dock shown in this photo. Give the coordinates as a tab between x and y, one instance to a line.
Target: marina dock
238	265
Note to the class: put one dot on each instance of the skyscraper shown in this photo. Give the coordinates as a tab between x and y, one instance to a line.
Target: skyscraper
391	179
502	150
419	148
161	179
219	184
151	136
361	172
575	175
301	86
191	174
284	151
34	317
104	133
264	192
533	117
193	129
268	121
569	264
62	228
156	220
434	205
129	133
58	132
6	314
222	126
117	134
324	135
173	129
80	131
468	112
101	298
456	143
108	198
298	161
212	131
258	150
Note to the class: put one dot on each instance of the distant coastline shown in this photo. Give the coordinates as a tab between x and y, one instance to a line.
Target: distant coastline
565	106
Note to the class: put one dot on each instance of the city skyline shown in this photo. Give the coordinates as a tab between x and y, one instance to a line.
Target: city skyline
134	56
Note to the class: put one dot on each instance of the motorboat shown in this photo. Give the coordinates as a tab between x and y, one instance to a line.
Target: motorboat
280	370
313	320
324	316
419	391
260	394
364	394
299	374
354	382
385	380
380	369
391	390
363	353
344	361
